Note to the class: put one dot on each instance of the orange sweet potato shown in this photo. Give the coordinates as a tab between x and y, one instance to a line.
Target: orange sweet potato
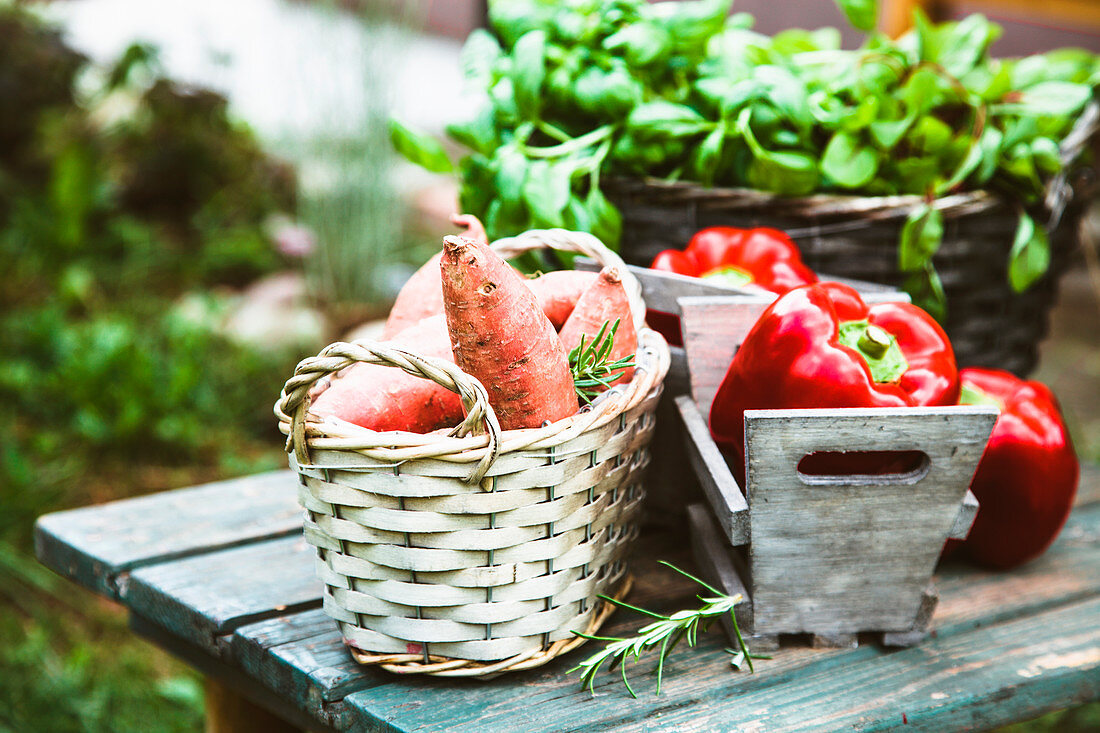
558	292
603	302
422	294
501	336
387	398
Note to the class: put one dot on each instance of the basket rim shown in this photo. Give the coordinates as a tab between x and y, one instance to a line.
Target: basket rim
462	445
398	446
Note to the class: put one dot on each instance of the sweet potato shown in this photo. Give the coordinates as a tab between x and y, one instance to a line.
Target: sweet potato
387	398
422	295
604	301
501	336
558	292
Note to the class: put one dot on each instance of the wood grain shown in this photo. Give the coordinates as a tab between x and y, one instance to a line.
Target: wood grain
715	478
203	598
98	546
846	554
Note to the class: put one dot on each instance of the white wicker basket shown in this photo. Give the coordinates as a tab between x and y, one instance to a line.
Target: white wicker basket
478	551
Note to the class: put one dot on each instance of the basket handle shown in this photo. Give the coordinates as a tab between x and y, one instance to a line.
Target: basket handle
293	403
578	243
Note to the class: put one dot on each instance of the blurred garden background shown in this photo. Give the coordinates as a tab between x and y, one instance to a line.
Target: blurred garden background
193	197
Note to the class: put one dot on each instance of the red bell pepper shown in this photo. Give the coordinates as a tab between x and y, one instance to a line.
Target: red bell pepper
1027	478
822	346
755	259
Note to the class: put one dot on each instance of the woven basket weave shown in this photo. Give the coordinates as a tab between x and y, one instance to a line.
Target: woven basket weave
482	550
856	237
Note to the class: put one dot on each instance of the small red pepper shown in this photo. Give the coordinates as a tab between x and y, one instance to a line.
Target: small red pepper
1027	478
755	259
822	346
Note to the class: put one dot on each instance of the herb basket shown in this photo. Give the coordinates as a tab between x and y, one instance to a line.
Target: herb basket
856	237
479	551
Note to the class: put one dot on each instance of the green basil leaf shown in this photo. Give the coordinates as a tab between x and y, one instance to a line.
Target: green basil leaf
607	222
926	289
930	135
423	150
1050	98
982	157
707	156
888	133
478	133
1029	259
546	190
664	119
785	173
510	177
1046	154
862	14
921	236
847	163
528	71
962	44
479	55
640	43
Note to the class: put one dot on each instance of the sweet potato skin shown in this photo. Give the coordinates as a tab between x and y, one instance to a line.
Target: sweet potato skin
500	335
387	398
422	294
558	292
604	301
420	297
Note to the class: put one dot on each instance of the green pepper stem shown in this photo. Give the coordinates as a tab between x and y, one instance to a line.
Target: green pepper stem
874	341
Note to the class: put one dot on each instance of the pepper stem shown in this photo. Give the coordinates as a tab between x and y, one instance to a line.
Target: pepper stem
874	341
878	347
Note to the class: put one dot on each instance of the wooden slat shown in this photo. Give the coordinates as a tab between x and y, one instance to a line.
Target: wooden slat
714	475
662	290
848	554
97	546
702	692
202	598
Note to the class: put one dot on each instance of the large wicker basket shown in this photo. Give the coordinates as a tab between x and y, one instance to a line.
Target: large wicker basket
856	237
478	551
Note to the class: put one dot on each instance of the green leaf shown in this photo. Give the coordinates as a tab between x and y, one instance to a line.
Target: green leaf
962	44
479	55
926	290
528	71
708	155
546	191
606	221
640	43
423	150
847	163
983	152
479	133
887	133
1051	98
862	14
921	236
930	134
664	119
1029	259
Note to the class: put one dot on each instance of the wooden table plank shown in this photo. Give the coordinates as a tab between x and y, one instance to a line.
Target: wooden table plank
98	546
205	597
972	598
979	679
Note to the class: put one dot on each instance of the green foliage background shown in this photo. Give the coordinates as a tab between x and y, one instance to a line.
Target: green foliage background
106	219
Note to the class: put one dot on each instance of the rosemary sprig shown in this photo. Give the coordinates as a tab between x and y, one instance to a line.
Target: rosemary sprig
666	631
590	366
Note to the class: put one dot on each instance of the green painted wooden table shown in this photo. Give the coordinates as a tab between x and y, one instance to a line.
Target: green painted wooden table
220	576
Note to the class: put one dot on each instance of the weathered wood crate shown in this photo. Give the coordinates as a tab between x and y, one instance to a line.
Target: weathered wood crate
669	492
828	556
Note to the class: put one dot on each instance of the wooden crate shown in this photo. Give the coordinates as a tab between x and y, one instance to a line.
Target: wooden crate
828	556
669	491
